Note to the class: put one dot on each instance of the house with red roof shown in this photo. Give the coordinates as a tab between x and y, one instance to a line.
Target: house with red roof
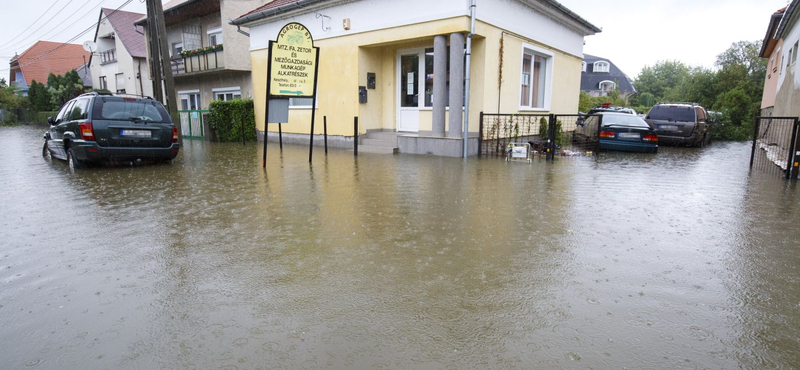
42	59
119	62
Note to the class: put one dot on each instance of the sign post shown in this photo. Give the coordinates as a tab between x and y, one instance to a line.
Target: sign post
292	71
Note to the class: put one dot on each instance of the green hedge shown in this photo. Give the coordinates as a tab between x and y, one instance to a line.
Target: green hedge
225	118
41	117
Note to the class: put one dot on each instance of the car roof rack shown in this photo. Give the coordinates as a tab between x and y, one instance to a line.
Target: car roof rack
678	102
96	93
108	93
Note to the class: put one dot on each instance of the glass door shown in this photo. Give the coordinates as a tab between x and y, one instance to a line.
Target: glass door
409	83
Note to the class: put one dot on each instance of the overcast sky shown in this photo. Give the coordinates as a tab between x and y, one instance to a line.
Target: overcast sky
635	33
639	33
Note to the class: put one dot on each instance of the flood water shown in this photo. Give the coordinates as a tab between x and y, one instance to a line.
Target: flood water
679	260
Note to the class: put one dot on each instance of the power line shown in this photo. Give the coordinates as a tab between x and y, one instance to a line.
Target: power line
78	19
75	37
31	25
23	41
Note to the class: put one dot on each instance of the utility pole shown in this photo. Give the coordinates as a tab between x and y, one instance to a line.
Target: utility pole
158	41
152	45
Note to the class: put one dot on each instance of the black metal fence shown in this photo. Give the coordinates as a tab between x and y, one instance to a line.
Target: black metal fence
549	135
775	146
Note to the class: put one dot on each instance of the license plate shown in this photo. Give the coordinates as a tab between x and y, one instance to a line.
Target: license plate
628	135
668	127
136	133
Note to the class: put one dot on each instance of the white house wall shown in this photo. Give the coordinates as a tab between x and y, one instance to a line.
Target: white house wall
365	16
370	15
126	64
788	43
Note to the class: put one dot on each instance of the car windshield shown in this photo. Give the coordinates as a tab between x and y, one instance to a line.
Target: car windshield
627	120
672	113
116	108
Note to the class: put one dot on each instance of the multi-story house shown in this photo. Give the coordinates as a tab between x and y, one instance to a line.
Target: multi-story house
599	76
780	47
119	62
209	58
42	59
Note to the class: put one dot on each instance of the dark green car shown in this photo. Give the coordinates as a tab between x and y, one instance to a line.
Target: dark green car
98	127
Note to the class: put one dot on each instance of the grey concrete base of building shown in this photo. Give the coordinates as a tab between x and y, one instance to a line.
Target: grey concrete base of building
439	146
302	139
405	143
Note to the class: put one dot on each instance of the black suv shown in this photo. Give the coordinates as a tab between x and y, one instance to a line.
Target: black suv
680	124
98	127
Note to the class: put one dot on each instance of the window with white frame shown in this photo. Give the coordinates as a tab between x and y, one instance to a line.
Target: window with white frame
227	93
190	99
794	54
583	66
214	36
535	79
607	85
601	66
120	81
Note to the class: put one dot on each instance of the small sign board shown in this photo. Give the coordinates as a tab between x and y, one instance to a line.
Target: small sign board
293	60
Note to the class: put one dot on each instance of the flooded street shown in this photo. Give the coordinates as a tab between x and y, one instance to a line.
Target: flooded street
679	260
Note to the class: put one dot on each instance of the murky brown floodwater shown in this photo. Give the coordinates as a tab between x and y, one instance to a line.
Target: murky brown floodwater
678	260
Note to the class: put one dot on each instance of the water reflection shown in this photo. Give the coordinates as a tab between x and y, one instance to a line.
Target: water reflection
677	260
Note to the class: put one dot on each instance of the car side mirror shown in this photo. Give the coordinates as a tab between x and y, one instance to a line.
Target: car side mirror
51	121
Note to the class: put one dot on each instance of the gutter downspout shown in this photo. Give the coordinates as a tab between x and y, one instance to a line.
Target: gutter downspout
467	79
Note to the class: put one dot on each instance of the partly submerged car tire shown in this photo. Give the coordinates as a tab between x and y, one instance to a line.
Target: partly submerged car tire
74	163
46	152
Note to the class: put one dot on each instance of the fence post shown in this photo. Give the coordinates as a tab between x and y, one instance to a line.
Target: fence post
755	137
551	137
280	135
480	134
355	136
311	142
325	132
792	165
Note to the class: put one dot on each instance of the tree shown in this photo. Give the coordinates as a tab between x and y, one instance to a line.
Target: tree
39	97
63	88
659	79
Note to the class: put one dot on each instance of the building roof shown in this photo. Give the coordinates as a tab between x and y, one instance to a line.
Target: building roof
591	80
789	18
279	6
122	22
46	57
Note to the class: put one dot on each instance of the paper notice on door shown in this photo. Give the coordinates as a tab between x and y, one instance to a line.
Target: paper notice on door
410	83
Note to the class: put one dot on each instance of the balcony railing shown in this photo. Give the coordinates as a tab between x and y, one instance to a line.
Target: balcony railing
200	60
108	56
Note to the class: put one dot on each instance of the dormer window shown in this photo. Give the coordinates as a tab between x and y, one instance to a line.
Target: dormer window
583	66
607	85
601	66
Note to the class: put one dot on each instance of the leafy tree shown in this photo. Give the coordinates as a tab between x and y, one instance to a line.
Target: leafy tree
39	97
63	88
661	78
736	105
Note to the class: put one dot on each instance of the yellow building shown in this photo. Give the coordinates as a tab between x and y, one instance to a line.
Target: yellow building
525	58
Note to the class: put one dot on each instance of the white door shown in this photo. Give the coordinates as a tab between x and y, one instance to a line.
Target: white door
409	81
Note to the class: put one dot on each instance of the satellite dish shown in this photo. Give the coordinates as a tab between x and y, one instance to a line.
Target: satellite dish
89	46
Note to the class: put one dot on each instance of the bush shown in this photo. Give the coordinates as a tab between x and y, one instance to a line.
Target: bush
225	118
41	117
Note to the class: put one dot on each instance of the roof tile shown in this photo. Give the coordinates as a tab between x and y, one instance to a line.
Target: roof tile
46	57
